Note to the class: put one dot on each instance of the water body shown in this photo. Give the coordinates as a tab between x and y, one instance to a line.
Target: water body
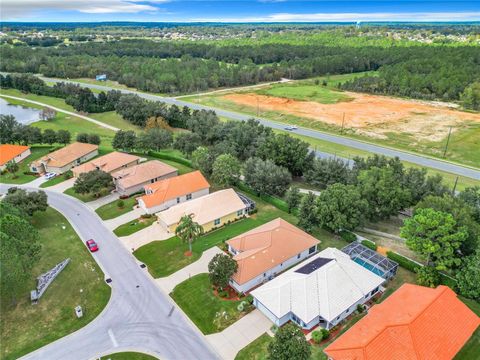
23	115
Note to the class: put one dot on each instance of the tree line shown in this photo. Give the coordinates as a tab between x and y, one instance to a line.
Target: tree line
421	71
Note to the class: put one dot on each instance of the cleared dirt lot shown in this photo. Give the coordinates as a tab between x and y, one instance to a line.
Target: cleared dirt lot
371	115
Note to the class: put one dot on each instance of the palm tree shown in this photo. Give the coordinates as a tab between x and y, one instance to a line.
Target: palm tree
188	230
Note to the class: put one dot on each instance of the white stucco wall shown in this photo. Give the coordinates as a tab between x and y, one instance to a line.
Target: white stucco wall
139	187
17	158
64	169
172	202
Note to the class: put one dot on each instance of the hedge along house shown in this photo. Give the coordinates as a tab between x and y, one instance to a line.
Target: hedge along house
321	291
133	179
267	250
64	159
109	163
415	322
172	191
16	153
210	211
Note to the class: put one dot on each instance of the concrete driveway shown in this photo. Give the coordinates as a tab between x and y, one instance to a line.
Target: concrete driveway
200	266
95	204
238	335
112	224
61	187
154	232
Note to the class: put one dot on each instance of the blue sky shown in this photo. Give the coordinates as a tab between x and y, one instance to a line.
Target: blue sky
238	11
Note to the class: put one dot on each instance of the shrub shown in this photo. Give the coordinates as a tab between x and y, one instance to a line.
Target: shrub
369	244
274	328
325	334
360	308
249	299
68	175
403	261
120	203
178	159
348	236
317	337
223	293
146	216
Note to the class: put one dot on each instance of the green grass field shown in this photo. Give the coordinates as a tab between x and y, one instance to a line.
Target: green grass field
55	181
128	356
197	300
21	178
81	197
305	92
134	226
26	327
111	210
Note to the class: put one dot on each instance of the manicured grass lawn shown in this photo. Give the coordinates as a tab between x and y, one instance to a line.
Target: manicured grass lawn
114	119
196	298
471	350
165	257
81	197
36	153
134	226
28	327
55	181
111	210
256	350
305	92
128	356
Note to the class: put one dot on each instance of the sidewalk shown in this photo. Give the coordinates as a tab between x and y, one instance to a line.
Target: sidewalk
238	335
112	224
200	266
154	232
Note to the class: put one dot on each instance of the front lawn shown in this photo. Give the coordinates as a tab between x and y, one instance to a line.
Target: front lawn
134	226
128	356
165	257
55	181
471	349
256	350
111	210
27	327
210	313
21	178
81	197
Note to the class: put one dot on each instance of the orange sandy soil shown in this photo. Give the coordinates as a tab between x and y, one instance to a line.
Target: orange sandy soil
371	115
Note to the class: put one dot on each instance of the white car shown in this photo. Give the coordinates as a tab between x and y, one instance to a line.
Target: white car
49	176
291	127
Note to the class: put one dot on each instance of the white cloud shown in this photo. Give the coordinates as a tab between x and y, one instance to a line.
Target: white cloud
21	8
352	17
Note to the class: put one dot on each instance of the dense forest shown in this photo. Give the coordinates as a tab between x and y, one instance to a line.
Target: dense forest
405	68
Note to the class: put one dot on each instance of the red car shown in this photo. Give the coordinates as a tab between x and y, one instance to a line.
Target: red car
92	245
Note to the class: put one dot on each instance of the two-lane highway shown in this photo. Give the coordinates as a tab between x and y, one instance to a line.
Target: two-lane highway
138	316
405	156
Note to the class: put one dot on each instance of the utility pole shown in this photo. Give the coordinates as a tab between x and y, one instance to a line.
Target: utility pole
448	140
455	186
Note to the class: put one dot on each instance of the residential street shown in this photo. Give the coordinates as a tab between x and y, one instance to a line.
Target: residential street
138	316
405	156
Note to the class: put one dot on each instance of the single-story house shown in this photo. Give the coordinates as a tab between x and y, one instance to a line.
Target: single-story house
109	163
133	179
266	251
210	211
9	152
415	322
175	190
323	291
64	159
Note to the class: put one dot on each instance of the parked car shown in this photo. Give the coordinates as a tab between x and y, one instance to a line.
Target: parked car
92	245
50	175
291	127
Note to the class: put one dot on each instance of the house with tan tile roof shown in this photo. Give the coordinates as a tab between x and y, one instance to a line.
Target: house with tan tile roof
109	163
62	160
415	322
133	179
210	211
172	191
266	251
9	152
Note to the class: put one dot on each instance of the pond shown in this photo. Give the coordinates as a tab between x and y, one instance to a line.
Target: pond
23	115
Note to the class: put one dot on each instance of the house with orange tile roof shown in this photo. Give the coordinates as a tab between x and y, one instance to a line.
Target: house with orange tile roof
134	178
414	323
64	159
210	211
175	190
109	163
268	250
9	152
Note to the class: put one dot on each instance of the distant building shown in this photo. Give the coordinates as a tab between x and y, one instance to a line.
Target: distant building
109	163
101	77
62	160
10	152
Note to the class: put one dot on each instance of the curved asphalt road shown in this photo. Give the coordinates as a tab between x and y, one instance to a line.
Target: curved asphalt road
137	316
405	156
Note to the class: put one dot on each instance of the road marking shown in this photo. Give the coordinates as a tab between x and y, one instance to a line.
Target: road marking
112	337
